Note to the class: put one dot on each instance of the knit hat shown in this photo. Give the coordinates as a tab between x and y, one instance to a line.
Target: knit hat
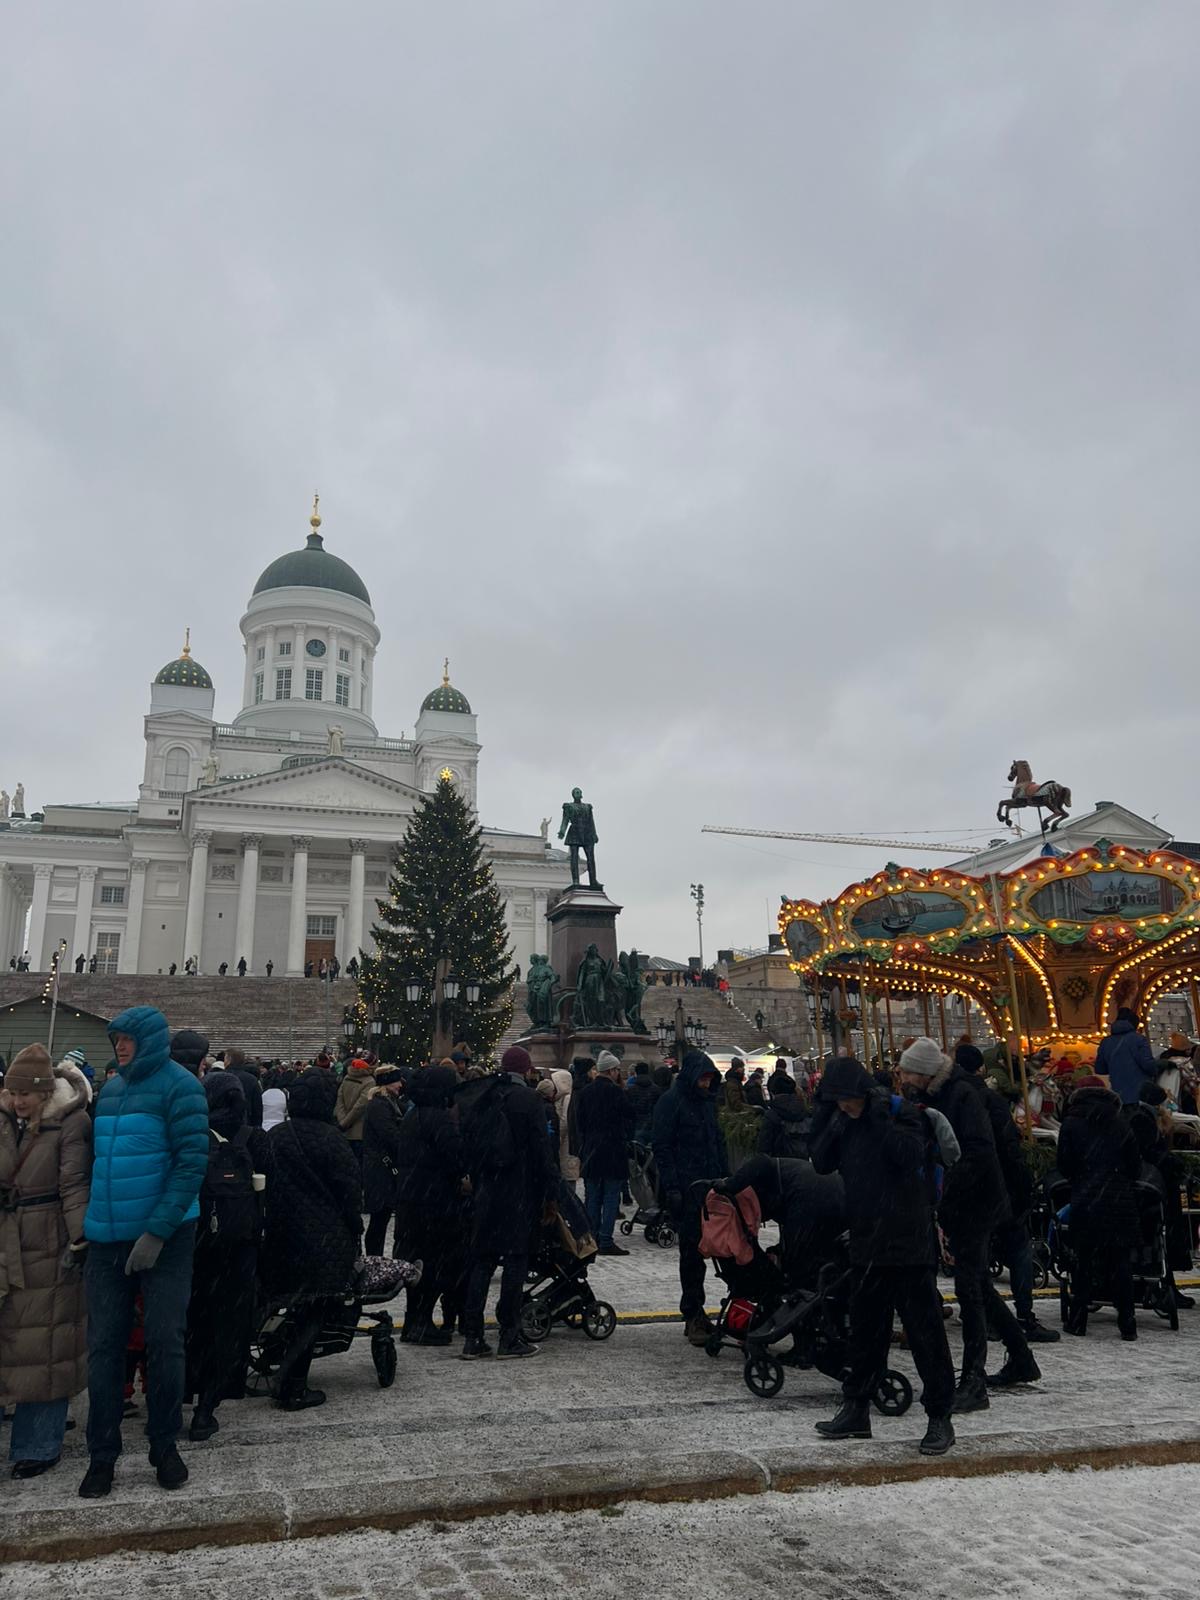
968	1058
189	1049
31	1072
516	1059
923	1058
845	1079
608	1062
1090	1082
386	1076
547	1090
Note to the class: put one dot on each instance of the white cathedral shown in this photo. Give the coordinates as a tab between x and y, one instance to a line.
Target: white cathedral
268	838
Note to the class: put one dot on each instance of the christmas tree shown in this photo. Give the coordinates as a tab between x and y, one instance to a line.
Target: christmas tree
443	917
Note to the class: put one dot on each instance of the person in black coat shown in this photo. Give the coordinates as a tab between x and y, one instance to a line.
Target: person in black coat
247	1075
381	1155
189	1049
220	1319
314	1190
755	1095
689	1149
604	1122
882	1147
974	1202
643	1095
810	1208
1010	1239
1099	1156
430	1216
786	1124
512	1186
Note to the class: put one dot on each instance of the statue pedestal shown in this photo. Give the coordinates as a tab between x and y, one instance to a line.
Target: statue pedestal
550	1050
578	918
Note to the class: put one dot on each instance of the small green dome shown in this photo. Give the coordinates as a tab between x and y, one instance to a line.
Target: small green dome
185	673
446	698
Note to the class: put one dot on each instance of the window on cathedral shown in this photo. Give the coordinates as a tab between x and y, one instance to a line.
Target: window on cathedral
285	648
258	688
283	683
314	678
108	951
112	894
343	654
342	689
321	928
262	652
177	769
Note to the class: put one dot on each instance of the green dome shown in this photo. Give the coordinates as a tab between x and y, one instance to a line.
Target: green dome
313	568
185	673
445	698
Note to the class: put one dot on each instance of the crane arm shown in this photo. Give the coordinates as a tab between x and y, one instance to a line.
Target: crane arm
847	838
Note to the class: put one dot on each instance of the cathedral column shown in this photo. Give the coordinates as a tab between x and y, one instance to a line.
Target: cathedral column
298	917
8	918
247	899
355	911
84	896
37	916
193	933
131	944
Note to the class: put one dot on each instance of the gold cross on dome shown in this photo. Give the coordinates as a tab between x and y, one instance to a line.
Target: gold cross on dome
446	774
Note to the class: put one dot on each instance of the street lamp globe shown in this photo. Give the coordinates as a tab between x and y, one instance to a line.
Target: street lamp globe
412	990
473	989
450	986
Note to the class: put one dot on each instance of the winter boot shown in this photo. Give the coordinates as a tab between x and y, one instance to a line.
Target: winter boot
513	1345
474	1348
1036	1333
1015	1370
203	1426
971	1394
97	1481
853	1421
939	1436
698	1330
169	1469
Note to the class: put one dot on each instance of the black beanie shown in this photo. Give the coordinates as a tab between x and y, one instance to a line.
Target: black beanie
968	1058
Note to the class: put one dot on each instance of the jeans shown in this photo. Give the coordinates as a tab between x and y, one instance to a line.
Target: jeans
912	1291
980	1307
602	1197
691	1262
1015	1248
165	1292
508	1307
38	1427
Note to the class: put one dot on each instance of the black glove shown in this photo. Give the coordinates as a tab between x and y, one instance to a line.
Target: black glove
73	1258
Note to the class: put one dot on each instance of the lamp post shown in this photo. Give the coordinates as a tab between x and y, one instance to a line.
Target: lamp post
698	897
448	989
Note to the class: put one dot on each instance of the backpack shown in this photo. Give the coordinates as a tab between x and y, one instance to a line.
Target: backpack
229	1205
932	1169
488	1142
729	1226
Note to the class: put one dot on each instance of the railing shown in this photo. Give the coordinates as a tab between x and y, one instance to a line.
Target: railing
171	794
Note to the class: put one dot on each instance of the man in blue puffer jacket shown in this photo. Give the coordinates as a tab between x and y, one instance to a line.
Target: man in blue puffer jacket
151	1153
1126	1059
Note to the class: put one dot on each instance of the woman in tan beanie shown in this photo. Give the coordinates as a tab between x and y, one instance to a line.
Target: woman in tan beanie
45	1173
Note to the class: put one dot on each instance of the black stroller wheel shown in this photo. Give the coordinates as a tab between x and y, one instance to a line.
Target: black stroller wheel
893	1394
762	1375
651	1233
383	1354
665	1235
627	1228
535	1322
599	1320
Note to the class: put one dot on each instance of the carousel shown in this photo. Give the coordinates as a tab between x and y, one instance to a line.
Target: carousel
1041	956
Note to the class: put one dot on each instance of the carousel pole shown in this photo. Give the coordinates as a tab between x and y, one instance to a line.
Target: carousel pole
875	1026
942	1014
925	1014
966	1000
1195	1005
1014	1007
817	1019
887	1001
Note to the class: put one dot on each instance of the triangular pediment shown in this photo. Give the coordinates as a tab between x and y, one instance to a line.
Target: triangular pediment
332	784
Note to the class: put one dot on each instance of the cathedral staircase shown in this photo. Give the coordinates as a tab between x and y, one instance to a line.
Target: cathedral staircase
280	1018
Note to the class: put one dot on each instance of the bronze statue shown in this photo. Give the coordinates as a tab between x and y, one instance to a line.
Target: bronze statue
1052	796
540	983
635	989
591	990
578	829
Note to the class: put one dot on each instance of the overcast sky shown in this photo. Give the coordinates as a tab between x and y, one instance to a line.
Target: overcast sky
782	414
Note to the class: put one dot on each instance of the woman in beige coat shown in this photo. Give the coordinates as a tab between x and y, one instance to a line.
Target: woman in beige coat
45	1175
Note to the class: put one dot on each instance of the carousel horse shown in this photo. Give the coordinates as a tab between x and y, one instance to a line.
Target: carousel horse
1052	797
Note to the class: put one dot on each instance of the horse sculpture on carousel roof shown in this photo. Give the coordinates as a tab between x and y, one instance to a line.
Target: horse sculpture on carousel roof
1052	797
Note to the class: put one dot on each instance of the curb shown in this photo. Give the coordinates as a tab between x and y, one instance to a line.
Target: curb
273	1517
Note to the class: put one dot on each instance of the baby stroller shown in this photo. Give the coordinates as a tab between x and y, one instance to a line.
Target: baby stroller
818	1323
556	1288
377	1280
650	1214
1153	1280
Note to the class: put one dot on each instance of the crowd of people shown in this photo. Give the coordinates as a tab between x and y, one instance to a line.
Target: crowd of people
149	1219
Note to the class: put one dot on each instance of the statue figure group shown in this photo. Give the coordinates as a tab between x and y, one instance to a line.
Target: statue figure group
608	995
18	802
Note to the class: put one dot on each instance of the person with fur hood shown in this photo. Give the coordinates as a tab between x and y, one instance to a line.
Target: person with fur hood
45	1173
